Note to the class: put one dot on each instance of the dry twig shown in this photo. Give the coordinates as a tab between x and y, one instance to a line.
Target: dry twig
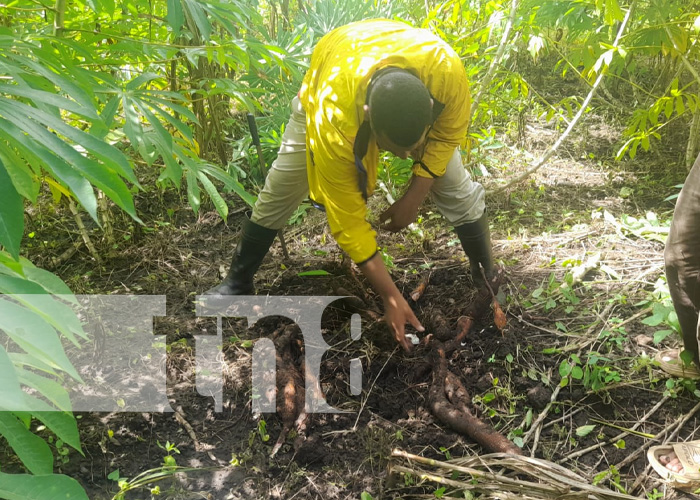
520	477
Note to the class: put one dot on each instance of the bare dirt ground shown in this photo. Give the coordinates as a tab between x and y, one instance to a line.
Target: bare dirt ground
542	230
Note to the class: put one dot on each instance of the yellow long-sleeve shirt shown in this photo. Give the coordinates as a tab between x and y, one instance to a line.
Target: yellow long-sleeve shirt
333	94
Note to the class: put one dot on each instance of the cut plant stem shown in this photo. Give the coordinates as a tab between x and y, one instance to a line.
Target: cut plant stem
418	292
620	428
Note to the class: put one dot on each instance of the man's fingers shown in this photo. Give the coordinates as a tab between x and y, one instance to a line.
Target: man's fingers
415	323
390	226
400	336
386	214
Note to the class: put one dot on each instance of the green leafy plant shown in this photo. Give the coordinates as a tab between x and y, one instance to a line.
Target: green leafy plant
663	313
262	431
170	449
612	475
33	324
143	480
596	374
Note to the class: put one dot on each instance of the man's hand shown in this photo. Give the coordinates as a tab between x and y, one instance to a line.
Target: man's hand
397	312
400	214
404	212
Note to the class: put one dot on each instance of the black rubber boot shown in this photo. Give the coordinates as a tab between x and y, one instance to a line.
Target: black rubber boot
249	254
476	242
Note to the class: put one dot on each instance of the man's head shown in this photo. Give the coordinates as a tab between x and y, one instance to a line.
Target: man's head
400	110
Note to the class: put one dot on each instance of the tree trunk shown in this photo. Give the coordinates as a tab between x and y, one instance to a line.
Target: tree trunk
285	13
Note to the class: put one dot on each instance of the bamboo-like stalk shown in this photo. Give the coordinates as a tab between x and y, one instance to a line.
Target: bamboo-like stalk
106	216
59	20
83	232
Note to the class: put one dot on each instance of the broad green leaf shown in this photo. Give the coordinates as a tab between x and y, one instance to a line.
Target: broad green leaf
164	143
660	335
193	195
668	109
172	105
107	6
28	487
11	214
34	297
680	108
59	77
58	167
11	395
175	17
613	12
132	123
101	128
51	99
35	336
679	37
102	177
48	281
110	110
141	79
229	182
584	430
51	390
63	424
112	157
178	124
33	451
23	178
687	357
20	359
200	18
216	198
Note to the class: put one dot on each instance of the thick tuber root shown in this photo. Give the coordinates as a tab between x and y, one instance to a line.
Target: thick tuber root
290	394
449	399
449	402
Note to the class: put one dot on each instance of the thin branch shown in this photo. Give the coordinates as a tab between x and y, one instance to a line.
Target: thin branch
496	59
677	426
573	123
615	439
536	428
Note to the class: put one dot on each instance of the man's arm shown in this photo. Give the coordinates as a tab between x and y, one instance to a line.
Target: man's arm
404	211
397	312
